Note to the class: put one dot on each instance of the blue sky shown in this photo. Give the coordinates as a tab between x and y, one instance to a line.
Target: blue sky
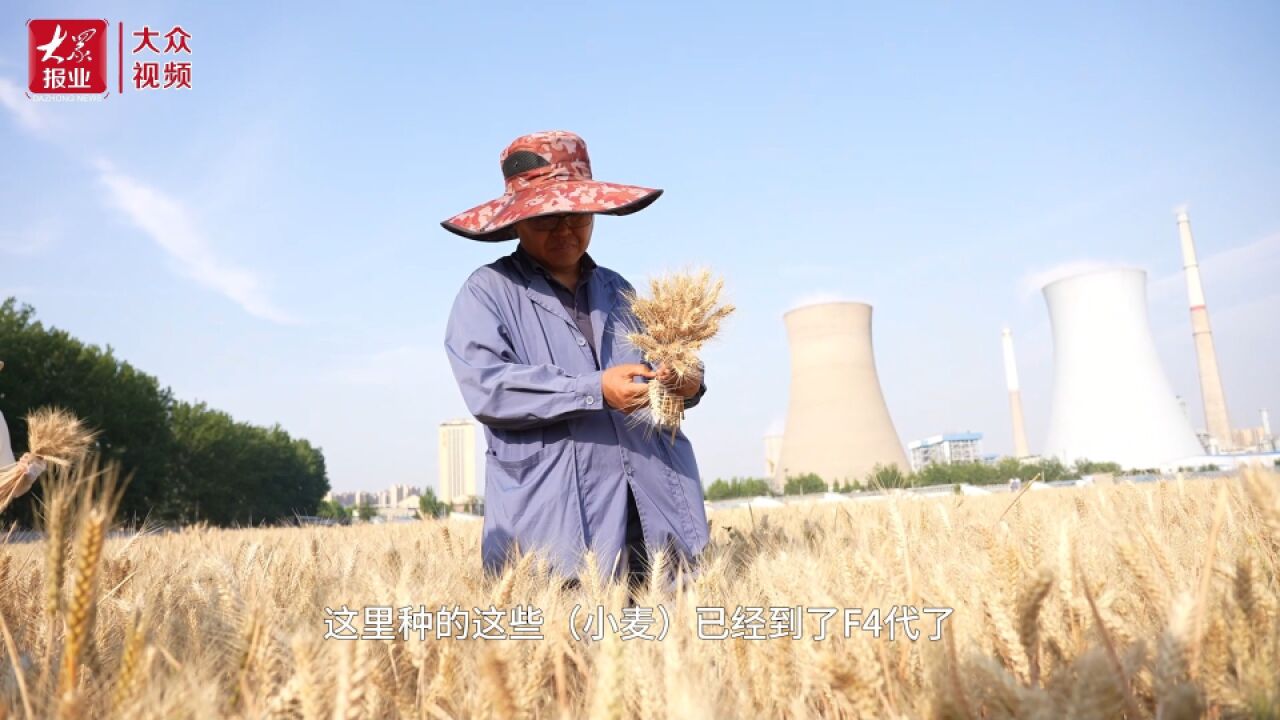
269	241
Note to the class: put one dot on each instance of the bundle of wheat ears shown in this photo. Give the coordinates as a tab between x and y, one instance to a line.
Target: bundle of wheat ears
55	437
682	313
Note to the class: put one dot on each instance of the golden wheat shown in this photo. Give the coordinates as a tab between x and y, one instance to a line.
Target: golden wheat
1151	600
681	314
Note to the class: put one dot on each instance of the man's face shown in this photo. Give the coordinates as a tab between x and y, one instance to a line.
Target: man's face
556	241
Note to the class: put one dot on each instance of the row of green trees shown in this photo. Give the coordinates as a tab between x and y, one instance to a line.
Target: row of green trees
891	476
428	506
189	462
1006	469
334	510
737	487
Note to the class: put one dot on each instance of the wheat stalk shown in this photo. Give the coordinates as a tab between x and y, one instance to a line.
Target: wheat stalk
1029	605
82	601
132	664
669	329
236	611
99	495
609	694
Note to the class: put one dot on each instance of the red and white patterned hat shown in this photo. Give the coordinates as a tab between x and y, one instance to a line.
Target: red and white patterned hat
546	173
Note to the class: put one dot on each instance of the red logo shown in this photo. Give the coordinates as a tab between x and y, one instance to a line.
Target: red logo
67	56
147	74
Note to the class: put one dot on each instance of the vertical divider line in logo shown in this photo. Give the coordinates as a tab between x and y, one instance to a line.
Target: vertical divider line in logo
120	55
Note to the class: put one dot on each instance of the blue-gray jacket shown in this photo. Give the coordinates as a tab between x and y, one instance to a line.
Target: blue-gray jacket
557	456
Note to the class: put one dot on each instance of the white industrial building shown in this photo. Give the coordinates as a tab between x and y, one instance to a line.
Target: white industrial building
946	449
404	509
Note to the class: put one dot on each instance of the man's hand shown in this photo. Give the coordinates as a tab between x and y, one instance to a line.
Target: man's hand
686	389
620	393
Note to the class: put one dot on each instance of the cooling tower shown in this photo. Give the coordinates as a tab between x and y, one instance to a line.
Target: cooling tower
1111	399
838	425
1215	401
1015	396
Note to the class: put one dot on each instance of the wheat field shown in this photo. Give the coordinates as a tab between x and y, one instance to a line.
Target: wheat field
1155	600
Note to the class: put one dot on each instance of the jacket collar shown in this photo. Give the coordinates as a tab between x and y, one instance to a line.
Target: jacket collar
532	267
602	289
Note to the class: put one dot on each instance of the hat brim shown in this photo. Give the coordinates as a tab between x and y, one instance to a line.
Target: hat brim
495	220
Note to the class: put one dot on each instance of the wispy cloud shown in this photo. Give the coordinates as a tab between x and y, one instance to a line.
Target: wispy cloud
1257	262
26	112
168	223
1031	283
165	220
30	241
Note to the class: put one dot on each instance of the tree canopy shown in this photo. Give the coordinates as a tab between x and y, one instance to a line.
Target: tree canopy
187	462
891	476
431	506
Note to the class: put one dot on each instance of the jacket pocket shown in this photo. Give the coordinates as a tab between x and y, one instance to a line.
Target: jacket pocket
523	475
516	448
515	464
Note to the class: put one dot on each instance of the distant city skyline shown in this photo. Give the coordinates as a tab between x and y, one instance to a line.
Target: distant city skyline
379	498
268	242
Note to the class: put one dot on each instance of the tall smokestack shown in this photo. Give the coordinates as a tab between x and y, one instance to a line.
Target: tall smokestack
1015	396
1216	420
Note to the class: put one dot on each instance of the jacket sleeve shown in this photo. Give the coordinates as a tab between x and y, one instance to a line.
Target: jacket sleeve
702	390
500	391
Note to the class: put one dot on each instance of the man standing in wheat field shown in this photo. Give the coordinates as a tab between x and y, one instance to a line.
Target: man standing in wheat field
536	342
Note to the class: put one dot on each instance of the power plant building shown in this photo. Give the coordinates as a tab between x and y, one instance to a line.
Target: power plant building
1111	399
838	425
945	450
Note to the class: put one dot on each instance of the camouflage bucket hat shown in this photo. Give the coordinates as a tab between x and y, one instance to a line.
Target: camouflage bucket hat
546	173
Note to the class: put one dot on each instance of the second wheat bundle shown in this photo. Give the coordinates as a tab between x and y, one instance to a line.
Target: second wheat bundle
55	437
681	314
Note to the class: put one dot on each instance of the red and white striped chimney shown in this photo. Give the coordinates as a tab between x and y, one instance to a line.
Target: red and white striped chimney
1020	448
1216	420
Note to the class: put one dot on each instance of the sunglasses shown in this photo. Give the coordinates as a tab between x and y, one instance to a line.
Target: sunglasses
544	223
